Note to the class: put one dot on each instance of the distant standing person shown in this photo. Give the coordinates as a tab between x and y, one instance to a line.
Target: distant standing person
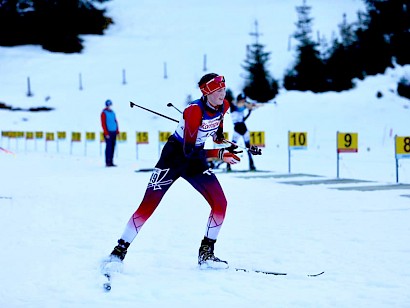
240	130
110	127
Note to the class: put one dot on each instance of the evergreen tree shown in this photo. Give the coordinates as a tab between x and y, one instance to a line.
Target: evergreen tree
53	24
259	86
391	21
338	64
374	50
308	71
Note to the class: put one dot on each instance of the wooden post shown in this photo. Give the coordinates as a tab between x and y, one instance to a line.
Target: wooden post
29	93
205	68
124	81
165	70
80	79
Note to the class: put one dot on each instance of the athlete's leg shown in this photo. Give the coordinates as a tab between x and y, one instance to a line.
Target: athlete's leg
208	185
246	139
161	180
236	137
166	172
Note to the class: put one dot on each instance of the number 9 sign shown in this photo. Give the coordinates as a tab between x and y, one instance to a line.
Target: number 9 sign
347	142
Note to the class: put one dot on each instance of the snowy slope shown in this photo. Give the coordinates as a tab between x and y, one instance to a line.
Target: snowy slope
61	214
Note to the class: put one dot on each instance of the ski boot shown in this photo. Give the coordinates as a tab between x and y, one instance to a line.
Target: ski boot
113	263
120	250
206	257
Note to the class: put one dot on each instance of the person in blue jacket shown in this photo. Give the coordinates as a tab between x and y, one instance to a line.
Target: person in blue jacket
109	124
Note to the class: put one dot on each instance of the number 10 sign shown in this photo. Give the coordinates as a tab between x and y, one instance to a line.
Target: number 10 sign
296	141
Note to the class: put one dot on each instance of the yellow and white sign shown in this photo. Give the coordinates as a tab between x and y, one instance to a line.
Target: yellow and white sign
403	147
49	136
142	137
90	136
298	140
61	135
258	139
75	137
122	137
163	136
347	142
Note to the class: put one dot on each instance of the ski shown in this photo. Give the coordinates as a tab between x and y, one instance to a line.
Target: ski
108	269
272	273
107	284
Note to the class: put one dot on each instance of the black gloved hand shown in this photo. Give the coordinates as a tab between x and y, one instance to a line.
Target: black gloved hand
219	136
232	149
254	150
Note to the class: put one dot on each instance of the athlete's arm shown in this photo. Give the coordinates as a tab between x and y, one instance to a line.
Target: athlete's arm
193	118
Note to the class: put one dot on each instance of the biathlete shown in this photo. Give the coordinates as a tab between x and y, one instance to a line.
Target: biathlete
184	156
237	110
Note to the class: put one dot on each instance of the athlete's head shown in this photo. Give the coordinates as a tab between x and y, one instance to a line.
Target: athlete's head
210	83
213	87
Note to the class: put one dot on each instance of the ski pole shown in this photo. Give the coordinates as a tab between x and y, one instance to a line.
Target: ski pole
170	105
157	113
254	150
6	151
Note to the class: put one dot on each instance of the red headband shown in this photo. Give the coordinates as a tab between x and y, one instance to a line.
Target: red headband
213	85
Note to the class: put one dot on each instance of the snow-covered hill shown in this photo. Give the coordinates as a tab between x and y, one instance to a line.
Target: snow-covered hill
61	213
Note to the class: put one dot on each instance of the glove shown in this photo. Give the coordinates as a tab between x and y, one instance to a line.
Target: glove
254	150
219	137
228	157
232	149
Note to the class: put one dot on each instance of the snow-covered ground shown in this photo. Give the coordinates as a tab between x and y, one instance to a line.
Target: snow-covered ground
61	213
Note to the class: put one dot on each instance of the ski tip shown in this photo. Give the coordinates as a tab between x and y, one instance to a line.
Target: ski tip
107	287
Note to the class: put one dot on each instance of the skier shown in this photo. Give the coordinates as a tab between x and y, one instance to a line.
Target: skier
109	125
240	130
184	156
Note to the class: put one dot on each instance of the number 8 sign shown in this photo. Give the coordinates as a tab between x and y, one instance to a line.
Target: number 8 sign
402	147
